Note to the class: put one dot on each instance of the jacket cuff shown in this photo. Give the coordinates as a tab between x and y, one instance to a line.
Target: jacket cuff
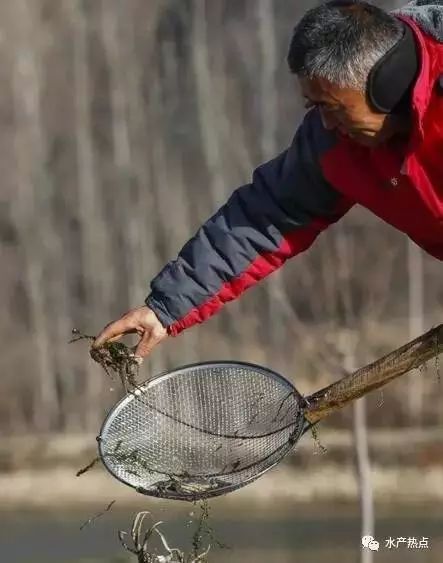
159	309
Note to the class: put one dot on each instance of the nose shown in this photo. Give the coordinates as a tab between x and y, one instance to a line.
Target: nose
328	120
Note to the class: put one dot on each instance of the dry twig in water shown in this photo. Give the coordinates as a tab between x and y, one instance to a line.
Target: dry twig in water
141	549
90	520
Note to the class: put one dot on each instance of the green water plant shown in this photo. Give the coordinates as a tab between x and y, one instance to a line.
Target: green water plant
116	359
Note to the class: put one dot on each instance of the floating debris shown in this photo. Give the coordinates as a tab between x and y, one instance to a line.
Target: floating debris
145	553
88	467
98	515
314	432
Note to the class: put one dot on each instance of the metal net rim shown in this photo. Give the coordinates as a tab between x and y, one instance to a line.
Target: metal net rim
193	368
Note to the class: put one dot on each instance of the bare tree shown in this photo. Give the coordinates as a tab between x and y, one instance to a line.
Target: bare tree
97	276
31	211
416	324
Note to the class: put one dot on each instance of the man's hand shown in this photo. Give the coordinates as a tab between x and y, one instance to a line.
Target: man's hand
142	321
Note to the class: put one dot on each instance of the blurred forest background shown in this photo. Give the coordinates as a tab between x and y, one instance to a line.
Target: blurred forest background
124	125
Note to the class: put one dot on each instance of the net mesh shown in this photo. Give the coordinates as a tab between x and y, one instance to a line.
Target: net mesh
201	431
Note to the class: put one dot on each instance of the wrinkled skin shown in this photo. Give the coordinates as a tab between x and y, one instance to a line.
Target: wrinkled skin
141	321
347	111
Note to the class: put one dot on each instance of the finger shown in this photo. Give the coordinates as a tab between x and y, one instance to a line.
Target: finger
118	336
146	344
112	330
114	338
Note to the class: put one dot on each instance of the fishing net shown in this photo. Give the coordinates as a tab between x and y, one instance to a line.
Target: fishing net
202	430
207	429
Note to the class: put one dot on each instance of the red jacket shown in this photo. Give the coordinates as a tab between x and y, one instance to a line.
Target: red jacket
313	183
403	188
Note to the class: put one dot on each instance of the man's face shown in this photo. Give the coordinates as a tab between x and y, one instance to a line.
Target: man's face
347	111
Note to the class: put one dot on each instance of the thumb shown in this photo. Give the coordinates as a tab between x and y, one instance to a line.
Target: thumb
147	343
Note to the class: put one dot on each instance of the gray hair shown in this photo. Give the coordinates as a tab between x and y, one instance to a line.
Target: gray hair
341	41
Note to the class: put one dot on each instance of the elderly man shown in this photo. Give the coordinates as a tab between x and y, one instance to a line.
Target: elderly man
373	135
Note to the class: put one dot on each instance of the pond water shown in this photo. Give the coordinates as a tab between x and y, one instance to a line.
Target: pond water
321	533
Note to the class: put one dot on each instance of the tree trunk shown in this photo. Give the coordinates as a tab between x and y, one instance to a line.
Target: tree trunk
97	269
415	388
31	214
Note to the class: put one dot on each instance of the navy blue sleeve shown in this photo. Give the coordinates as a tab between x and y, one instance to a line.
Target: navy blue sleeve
278	215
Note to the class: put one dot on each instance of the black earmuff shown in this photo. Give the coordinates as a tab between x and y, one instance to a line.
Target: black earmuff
392	78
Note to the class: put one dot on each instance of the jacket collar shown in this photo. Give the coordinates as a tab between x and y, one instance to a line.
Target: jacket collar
422	91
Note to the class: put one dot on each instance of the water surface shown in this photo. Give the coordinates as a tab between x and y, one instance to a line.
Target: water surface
307	533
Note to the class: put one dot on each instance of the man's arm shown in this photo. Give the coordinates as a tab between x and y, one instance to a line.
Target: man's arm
278	215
